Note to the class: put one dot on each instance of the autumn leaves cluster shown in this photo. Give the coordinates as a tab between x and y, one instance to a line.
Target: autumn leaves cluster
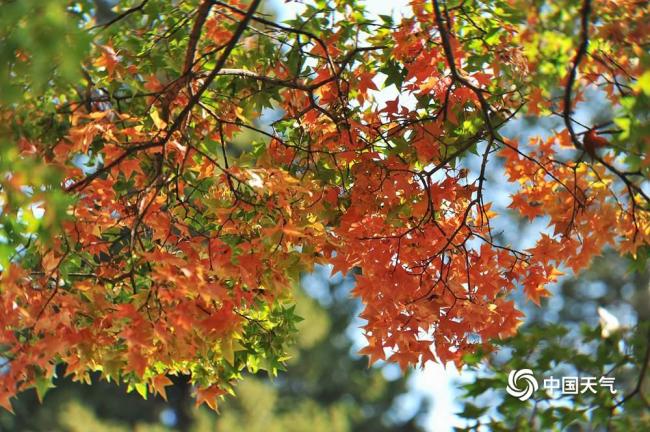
180	246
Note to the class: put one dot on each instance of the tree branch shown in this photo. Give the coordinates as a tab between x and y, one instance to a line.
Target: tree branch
121	16
582	50
201	16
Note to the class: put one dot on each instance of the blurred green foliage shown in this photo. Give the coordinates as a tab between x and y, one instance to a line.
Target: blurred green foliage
41	45
551	350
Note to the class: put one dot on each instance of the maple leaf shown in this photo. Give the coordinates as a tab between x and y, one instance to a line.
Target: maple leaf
536	100
137	362
108	59
216	31
366	82
208	396
158	384
374	351
128	166
5	401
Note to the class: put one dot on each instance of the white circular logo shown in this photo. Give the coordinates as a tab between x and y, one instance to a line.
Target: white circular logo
530	384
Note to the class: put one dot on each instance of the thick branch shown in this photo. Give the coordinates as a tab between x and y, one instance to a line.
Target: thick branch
179	120
201	16
449	54
585	13
217	68
582	50
115	162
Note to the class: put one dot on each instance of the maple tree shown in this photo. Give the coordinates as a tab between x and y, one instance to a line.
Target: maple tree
137	241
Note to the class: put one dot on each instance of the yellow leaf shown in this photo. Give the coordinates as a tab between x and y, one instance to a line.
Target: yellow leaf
160	123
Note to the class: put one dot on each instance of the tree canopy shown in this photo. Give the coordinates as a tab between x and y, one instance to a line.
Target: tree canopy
326	387
169	169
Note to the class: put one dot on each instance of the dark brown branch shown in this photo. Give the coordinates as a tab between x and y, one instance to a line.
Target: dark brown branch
201	16
273	24
449	54
180	119
90	177
243	73
123	15
178	122
582	50
641	378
